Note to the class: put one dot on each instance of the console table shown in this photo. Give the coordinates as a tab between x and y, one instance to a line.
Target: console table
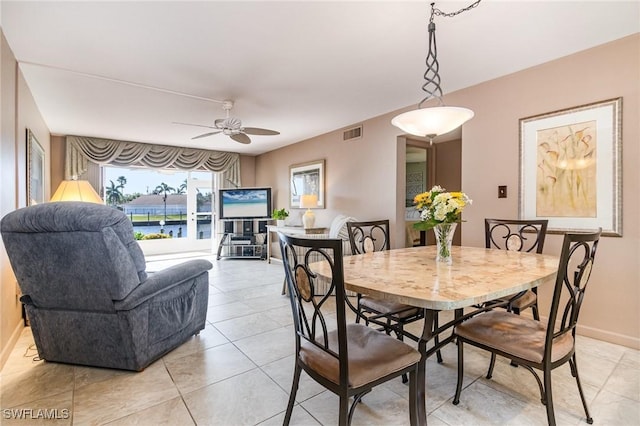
240	241
292	230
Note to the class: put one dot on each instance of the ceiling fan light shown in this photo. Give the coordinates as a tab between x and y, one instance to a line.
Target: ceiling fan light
233	123
232	127
432	121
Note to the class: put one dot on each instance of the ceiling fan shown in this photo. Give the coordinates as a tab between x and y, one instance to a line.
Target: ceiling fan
232	127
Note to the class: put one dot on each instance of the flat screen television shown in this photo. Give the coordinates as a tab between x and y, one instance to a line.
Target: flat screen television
245	203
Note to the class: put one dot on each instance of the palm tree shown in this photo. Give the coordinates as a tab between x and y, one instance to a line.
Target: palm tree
114	194
164	189
182	188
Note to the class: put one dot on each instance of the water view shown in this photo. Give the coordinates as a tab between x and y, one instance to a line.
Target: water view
163	200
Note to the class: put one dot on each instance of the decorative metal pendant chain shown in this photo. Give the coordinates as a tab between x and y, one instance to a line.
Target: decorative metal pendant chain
432	77
436	11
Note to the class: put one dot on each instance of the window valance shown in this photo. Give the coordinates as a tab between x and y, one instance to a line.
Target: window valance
81	149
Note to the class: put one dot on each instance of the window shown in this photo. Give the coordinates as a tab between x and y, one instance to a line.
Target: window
155	200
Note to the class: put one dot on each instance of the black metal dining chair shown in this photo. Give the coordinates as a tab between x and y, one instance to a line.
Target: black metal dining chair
530	343
368	237
517	235
347	359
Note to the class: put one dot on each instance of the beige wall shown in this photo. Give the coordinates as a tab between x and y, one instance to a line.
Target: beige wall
19	112
58	150
247	171
360	174
10	317
365	177
449	174
490	155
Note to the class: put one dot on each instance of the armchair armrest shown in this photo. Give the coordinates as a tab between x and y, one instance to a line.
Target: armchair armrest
162	281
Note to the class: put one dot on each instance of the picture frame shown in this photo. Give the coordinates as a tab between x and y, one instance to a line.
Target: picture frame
570	168
35	170
307	179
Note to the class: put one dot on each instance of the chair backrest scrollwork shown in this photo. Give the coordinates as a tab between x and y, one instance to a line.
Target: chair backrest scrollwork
368	236
515	235
574	270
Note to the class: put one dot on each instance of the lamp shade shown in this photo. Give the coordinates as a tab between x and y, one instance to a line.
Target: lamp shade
432	121
76	190
309	201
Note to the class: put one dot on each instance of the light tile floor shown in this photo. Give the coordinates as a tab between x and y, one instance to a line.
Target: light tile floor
238	372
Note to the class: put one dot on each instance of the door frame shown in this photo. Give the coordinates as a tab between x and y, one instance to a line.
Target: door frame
435	162
182	245
193	184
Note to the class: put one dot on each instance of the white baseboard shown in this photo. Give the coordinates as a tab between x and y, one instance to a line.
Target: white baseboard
604	335
6	351
608	336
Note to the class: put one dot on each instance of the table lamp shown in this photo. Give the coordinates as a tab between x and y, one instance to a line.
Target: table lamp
308	201
76	190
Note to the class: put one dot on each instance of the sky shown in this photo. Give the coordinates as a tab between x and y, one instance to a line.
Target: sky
145	181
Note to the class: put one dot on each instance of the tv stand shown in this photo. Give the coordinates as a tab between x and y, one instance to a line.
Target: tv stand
239	240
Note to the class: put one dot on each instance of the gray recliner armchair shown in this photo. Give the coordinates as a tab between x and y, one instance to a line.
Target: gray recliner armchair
86	293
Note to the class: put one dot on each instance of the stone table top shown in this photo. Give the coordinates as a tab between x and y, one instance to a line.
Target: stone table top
412	276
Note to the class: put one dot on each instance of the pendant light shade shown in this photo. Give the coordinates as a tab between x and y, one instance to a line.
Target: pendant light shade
441	119
432	121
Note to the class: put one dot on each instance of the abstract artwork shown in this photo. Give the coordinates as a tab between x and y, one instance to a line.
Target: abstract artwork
570	169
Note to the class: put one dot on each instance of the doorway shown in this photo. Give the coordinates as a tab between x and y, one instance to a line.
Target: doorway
426	165
419	178
200	208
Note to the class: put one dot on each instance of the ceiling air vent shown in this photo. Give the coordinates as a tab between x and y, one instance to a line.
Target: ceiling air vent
353	133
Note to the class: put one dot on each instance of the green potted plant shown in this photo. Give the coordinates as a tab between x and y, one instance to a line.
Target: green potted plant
280	215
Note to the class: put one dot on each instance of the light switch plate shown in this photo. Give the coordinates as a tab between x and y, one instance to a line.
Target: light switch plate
502	191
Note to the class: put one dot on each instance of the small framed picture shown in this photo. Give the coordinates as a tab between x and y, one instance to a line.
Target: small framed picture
35	170
307	179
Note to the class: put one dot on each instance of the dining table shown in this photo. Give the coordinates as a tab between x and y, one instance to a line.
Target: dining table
412	276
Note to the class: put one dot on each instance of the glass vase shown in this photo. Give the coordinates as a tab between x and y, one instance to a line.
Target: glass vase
444	237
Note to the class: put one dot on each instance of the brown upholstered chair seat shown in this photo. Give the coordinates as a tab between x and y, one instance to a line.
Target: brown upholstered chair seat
372	355
513	334
528	342
387	307
523	302
517	235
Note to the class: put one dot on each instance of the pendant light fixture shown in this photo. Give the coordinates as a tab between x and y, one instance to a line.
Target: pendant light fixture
441	119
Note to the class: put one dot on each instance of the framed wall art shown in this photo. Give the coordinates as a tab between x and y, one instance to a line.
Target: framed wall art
306	179
35	170
570	168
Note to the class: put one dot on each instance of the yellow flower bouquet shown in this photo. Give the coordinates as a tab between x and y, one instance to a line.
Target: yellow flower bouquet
441	211
438	206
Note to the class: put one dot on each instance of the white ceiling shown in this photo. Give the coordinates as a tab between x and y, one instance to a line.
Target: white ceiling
303	68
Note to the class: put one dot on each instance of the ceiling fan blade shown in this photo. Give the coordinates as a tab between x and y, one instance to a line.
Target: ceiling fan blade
259	131
241	137
204	135
191	124
219	123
